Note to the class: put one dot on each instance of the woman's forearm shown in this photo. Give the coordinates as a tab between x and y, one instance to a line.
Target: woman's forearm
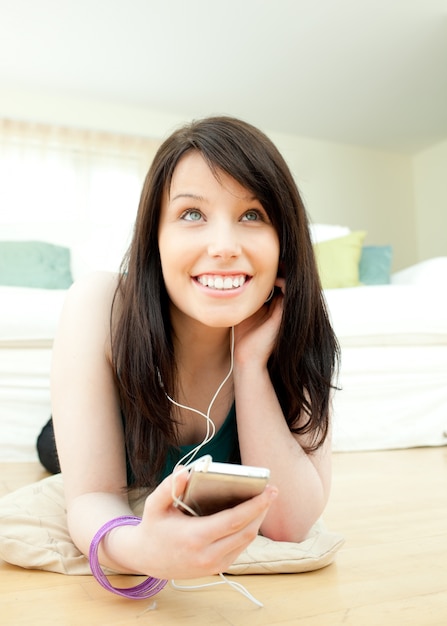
89	512
303	479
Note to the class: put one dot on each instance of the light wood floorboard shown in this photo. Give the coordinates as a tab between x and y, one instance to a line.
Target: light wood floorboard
390	506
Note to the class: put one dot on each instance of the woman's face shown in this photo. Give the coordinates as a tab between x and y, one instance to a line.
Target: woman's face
219	251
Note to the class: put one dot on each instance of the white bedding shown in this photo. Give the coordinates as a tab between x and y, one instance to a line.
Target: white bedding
391	397
393	372
24	400
389	314
28	322
393	375
29	316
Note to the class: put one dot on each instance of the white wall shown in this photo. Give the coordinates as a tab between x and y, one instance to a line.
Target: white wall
430	189
364	189
90	114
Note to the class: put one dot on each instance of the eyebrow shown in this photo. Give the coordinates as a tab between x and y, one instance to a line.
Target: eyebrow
194	196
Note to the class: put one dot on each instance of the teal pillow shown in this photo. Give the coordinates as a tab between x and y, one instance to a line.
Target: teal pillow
34	264
375	265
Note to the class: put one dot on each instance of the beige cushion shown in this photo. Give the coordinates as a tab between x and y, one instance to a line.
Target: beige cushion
34	535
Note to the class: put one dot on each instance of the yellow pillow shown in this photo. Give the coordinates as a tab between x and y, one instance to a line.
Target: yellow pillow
338	260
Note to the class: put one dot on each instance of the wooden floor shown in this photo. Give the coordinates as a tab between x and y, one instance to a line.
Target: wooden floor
392	509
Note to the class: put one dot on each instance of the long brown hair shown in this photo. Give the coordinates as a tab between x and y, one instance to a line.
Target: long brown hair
304	359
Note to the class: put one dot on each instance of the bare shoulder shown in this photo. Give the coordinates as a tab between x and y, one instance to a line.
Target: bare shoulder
88	306
96	290
94	285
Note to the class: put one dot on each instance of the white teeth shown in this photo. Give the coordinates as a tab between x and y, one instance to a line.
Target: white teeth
221	282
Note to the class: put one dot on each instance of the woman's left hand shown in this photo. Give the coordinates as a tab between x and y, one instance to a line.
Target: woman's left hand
255	337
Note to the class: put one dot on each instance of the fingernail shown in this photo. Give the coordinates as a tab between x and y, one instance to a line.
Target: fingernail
272	492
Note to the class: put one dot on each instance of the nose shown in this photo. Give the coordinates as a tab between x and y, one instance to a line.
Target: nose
224	242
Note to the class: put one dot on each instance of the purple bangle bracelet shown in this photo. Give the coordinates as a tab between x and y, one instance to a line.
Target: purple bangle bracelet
148	588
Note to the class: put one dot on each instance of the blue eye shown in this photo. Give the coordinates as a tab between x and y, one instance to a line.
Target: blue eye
252	216
192	215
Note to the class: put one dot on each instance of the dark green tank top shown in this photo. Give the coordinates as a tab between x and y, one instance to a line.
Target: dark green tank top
223	447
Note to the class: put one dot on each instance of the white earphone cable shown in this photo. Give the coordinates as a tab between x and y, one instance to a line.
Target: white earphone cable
210	427
187	460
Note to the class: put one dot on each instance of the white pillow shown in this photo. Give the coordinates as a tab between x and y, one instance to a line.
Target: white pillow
431	272
325	232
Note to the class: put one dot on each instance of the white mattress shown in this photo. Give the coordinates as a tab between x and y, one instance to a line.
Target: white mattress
393	373
29	316
28	322
389	314
359	314
391	397
394	366
24	400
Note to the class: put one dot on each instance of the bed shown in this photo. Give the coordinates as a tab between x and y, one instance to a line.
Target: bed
393	376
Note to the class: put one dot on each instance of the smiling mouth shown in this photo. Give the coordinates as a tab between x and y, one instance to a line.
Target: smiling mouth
222	283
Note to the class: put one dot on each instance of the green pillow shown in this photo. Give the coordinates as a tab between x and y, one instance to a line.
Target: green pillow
338	260
34	264
375	265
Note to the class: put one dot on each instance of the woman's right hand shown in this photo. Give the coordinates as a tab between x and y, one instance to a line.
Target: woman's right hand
171	544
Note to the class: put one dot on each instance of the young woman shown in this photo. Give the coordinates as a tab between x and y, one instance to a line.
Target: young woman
219	289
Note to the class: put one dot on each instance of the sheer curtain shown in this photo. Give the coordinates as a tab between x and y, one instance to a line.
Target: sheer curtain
73	187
